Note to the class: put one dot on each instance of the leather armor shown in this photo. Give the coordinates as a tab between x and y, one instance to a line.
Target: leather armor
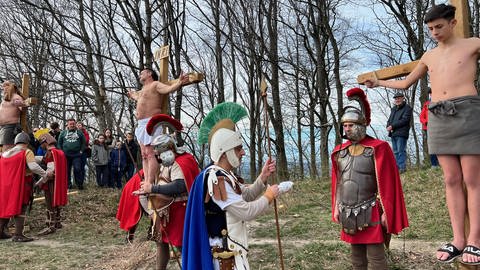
357	189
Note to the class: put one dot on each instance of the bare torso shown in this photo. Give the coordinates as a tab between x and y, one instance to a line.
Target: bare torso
452	69
150	101
10	110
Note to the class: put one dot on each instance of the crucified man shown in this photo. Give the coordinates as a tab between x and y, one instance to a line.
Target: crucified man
150	100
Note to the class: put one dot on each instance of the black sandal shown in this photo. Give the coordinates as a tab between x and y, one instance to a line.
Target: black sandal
472	250
452	252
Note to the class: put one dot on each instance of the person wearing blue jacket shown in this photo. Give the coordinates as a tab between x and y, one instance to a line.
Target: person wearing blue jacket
398	127
118	162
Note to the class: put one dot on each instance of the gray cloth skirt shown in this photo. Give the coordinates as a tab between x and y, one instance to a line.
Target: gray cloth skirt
8	133
454	126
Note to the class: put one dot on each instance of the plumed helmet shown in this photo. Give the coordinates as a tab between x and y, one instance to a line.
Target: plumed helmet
218	129
157	127
224	139
355	115
158	122
22	137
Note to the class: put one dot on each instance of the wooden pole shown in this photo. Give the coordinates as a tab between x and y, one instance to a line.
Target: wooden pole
263	88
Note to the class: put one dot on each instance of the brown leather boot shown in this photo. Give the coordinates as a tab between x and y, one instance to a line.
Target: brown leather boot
57	218
3	225
19	224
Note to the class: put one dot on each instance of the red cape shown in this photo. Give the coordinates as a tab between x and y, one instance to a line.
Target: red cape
174	227
129	209
189	167
12	184
60	197
388	182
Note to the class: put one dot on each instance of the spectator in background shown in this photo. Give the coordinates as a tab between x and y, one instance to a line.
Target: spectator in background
100	159
72	142
133	147
398	127
109	144
109	140
118	161
55	130
87	151
424	121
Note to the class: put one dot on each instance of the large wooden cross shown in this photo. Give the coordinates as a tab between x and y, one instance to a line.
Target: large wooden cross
461	30
28	100
162	57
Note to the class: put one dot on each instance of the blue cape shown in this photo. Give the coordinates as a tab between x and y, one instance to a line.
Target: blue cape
196	253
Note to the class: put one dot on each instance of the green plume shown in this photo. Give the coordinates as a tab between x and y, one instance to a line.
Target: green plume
225	110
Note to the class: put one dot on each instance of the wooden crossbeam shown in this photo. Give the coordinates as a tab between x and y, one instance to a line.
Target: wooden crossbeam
161	55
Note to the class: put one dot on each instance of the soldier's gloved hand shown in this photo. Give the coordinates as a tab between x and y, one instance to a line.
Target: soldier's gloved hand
271	193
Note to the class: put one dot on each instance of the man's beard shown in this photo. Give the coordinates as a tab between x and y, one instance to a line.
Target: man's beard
357	133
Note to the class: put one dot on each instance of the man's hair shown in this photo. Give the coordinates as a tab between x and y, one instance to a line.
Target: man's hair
11	90
441	11
54	125
71	119
154	74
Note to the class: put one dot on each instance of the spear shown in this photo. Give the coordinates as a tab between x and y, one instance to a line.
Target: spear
263	88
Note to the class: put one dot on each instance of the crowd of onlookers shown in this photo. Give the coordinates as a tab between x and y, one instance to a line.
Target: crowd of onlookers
106	155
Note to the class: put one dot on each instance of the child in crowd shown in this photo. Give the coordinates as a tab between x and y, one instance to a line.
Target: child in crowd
100	160
118	161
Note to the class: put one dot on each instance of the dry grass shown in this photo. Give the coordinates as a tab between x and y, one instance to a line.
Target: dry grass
91	238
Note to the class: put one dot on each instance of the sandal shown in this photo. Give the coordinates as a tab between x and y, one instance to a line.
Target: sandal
472	250
452	252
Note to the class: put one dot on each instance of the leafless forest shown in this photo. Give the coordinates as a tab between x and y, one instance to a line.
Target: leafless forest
83	56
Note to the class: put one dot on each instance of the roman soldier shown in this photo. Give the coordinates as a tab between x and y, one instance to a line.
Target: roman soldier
54	187
367	196
215	235
16	168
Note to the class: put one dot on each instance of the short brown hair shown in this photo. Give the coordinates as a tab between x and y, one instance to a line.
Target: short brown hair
441	11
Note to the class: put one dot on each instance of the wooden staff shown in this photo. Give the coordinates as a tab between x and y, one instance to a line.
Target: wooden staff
263	88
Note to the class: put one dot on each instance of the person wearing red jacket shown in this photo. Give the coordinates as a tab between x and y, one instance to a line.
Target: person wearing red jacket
424	121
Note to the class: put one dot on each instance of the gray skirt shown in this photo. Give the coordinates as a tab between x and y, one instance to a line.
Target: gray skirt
454	126
8	133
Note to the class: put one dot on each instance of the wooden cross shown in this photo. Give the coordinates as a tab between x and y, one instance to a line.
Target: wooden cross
461	30
29	101
161	55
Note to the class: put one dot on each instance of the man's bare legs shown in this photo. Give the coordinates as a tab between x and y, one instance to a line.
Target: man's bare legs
471	177
458	170
149	162
455	196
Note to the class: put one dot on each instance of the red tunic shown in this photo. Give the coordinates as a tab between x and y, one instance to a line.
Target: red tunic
174	227
389	191
129	210
15	187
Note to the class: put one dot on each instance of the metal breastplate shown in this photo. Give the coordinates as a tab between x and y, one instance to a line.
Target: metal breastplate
357	189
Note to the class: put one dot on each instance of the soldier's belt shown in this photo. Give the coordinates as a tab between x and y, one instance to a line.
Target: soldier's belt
220	253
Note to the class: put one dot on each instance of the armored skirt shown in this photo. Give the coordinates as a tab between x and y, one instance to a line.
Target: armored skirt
454	126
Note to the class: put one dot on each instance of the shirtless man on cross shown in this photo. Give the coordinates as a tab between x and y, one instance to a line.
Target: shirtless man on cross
150	100
453	127
10	111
